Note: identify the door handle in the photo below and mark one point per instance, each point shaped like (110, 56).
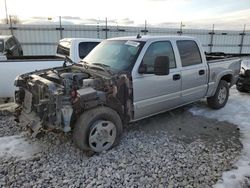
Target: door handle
(201, 72)
(176, 77)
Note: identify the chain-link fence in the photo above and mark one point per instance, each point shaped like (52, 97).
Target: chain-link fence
(42, 39)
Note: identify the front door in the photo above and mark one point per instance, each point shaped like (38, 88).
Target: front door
(153, 93)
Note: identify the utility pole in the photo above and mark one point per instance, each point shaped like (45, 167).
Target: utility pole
(60, 22)
(106, 27)
(242, 38)
(11, 27)
(211, 40)
(145, 28)
(117, 29)
(98, 28)
(6, 12)
(181, 26)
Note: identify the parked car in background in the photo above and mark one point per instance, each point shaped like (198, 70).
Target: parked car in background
(10, 46)
(122, 80)
(76, 48)
(243, 83)
(73, 48)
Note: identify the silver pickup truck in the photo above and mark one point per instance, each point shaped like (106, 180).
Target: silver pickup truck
(123, 80)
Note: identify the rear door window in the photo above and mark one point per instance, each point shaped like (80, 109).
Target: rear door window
(189, 53)
(85, 48)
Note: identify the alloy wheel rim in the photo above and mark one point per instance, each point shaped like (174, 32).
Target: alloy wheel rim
(102, 135)
(222, 95)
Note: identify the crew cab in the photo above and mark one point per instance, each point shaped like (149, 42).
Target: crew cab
(121, 81)
(12, 66)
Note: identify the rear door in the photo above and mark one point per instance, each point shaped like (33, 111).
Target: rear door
(153, 93)
(194, 71)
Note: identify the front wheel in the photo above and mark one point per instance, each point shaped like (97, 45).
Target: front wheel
(220, 97)
(98, 129)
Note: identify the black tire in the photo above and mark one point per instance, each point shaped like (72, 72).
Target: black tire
(213, 102)
(240, 88)
(84, 124)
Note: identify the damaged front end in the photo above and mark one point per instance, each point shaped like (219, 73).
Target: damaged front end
(55, 98)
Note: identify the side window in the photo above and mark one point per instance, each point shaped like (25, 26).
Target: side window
(11, 43)
(189, 52)
(85, 48)
(163, 48)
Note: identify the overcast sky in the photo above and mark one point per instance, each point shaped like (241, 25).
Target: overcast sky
(224, 13)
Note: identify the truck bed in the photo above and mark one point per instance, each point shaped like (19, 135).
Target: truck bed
(218, 67)
(220, 56)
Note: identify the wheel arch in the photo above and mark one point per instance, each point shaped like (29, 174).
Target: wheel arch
(226, 76)
(214, 101)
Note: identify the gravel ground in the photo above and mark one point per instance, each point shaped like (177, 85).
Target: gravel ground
(174, 149)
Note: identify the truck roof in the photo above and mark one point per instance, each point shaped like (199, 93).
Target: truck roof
(148, 38)
(81, 39)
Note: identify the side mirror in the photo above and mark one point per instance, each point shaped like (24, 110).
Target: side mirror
(142, 69)
(161, 66)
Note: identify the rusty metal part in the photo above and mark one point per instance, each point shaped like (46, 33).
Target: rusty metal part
(31, 122)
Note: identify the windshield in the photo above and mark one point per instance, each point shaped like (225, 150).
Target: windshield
(117, 54)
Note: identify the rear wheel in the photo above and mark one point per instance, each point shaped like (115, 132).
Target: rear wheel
(220, 97)
(98, 129)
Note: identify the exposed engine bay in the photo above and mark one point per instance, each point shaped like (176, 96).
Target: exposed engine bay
(56, 97)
